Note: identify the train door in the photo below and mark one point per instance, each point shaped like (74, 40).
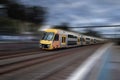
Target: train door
(63, 43)
(92, 41)
(88, 40)
(83, 41)
(56, 41)
(78, 41)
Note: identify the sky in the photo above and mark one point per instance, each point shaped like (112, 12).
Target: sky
(81, 12)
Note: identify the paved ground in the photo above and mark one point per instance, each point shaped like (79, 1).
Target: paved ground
(111, 70)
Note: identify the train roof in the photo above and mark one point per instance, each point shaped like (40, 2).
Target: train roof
(51, 30)
(57, 30)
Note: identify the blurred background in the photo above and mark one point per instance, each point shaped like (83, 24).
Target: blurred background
(22, 25)
(25, 20)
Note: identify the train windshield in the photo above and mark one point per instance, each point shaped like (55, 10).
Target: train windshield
(48, 36)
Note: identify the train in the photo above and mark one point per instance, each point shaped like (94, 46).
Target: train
(56, 38)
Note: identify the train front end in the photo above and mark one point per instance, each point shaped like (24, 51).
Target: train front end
(48, 39)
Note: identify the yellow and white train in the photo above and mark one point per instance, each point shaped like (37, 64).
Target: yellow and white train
(56, 38)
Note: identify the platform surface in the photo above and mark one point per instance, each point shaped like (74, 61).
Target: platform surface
(111, 70)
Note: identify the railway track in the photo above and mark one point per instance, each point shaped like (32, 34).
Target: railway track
(12, 52)
(16, 64)
(13, 47)
(21, 63)
(21, 53)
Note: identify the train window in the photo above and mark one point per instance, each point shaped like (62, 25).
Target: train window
(91, 40)
(48, 36)
(75, 36)
(71, 36)
(78, 40)
(87, 38)
(56, 38)
(83, 39)
(63, 39)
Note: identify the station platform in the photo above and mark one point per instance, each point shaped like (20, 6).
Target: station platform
(111, 69)
(104, 64)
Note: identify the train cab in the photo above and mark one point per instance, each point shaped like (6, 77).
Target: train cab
(50, 39)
